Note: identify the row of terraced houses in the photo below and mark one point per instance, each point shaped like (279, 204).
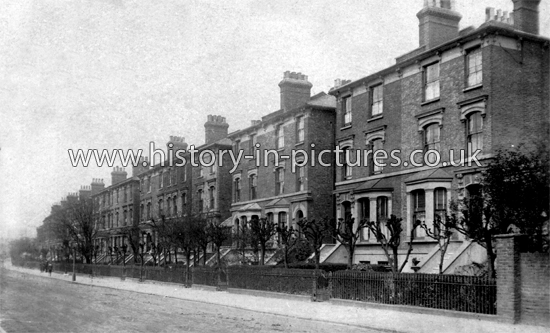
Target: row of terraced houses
(468, 89)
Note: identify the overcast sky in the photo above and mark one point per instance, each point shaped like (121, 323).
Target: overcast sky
(121, 73)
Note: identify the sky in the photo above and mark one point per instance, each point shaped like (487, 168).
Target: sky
(105, 74)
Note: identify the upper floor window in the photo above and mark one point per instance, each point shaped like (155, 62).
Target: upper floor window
(125, 217)
(346, 105)
(300, 129)
(440, 203)
(149, 184)
(474, 69)
(237, 186)
(161, 180)
(252, 181)
(381, 209)
(212, 168)
(419, 205)
(431, 82)
(183, 200)
(300, 178)
(432, 140)
(161, 208)
(175, 205)
(475, 133)
(148, 210)
(280, 137)
(279, 181)
(201, 171)
(168, 207)
(252, 143)
(184, 174)
(212, 197)
(346, 168)
(377, 100)
(377, 145)
(236, 146)
(201, 200)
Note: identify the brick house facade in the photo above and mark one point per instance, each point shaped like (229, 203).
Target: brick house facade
(265, 187)
(484, 88)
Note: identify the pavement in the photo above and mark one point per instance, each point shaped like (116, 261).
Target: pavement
(354, 314)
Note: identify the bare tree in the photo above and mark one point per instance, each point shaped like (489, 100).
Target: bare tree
(288, 238)
(262, 230)
(442, 233)
(75, 223)
(390, 239)
(219, 234)
(315, 232)
(347, 233)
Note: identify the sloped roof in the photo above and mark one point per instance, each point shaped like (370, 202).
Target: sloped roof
(278, 203)
(249, 207)
(322, 100)
(382, 184)
(429, 175)
(227, 222)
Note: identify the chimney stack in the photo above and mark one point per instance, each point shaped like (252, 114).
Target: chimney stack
(85, 192)
(118, 175)
(141, 167)
(97, 185)
(438, 22)
(215, 129)
(526, 15)
(295, 90)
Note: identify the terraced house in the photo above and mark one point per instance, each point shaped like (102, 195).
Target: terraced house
(265, 183)
(464, 90)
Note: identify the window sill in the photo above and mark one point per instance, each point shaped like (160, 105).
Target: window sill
(477, 86)
(375, 118)
(430, 101)
(345, 127)
(299, 144)
(281, 149)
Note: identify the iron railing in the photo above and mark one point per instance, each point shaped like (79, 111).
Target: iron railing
(448, 292)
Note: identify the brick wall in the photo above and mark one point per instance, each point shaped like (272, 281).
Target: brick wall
(522, 283)
(535, 292)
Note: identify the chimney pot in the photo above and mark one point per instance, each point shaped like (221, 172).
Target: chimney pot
(438, 23)
(295, 90)
(526, 15)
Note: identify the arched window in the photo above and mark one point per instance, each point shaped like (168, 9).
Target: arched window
(148, 211)
(237, 187)
(346, 205)
(141, 212)
(252, 183)
(475, 133)
(376, 146)
(346, 168)
(300, 178)
(168, 207)
(474, 202)
(211, 191)
(279, 181)
(201, 200)
(432, 140)
(161, 208)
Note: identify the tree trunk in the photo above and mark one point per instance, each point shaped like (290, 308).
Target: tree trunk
(395, 260)
(262, 254)
(187, 259)
(286, 256)
(204, 255)
(490, 255)
(351, 250)
(317, 258)
(218, 256)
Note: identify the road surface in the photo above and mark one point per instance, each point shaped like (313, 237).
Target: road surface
(40, 304)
